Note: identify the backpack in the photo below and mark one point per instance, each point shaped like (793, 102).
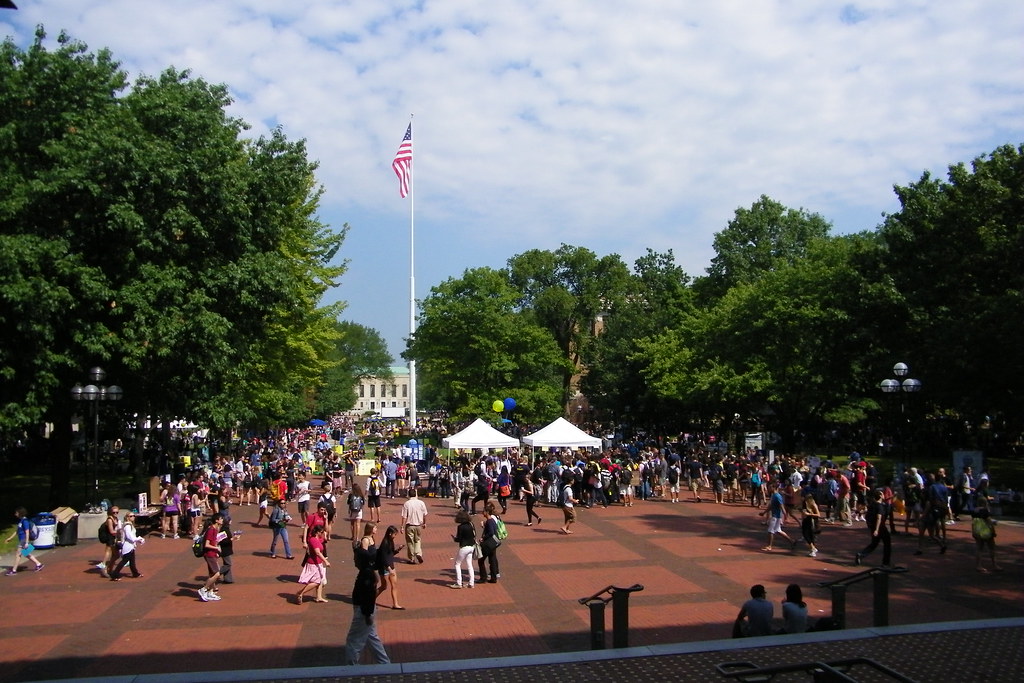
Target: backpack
(328, 499)
(981, 529)
(198, 544)
(673, 475)
(355, 503)
(104, 534)
(502, 532)
(33, 531)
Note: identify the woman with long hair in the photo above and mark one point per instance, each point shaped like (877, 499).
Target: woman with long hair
(530, 495)
(810, 521)
(794, 610)
(386, 565)
(504, 489)
(465, 537)
(489, 544)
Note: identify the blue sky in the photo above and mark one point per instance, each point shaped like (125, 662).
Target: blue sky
(609, 125)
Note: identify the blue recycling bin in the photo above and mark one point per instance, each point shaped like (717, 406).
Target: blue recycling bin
(46, 530)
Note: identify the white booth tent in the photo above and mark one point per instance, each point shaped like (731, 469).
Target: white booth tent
(479, 435)
(563, 434)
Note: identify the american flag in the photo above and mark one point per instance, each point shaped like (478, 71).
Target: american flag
(403, 163)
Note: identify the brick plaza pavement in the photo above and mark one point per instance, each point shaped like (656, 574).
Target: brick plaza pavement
(695, 561)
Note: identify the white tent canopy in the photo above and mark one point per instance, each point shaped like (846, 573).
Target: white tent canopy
(562, 433)
(479, 435)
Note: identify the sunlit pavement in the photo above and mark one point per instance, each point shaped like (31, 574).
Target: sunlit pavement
(695, 562)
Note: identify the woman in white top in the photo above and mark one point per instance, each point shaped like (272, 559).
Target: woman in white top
(129, 542)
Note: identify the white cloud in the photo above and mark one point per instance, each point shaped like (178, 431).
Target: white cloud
(611, 125)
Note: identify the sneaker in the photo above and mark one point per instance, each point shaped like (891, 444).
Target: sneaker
(212, 595)
(813, 553)
(10, 572)
(39, 566)
(455, 585)
(203, 595)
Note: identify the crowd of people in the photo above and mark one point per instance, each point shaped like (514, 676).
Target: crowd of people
(307, 469)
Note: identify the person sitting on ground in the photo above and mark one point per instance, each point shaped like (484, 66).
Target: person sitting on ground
(794, 610)
(758, 612)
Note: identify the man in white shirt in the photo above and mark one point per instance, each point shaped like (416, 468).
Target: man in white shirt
(414, 521)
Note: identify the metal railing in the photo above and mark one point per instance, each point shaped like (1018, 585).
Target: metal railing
(619, 597)
(880, 579)
(821, 672)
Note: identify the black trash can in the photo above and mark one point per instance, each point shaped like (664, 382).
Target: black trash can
(67, 532)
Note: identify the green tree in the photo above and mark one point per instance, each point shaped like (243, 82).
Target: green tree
(794, 349)
(155, 240)
(658, 298)
(358, 353)
(758, 240)
(474, 346)
(566, 291)
(954, 251)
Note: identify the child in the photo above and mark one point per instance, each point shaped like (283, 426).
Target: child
(25, 547)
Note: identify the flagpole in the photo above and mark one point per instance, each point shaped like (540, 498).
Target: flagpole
(412, 284)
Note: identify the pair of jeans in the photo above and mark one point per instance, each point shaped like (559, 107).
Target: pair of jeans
(491, 558)
(361, 634)
(281, 533)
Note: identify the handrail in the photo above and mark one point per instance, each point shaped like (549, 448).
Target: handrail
(608, 589)
(823, 671)
(862, 576)
(619, 597)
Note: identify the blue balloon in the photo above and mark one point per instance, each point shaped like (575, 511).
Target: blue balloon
(510, 404)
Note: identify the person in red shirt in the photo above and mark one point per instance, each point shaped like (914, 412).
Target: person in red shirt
(843, 499)
(211, 554)
(314, 521)
(314, 571)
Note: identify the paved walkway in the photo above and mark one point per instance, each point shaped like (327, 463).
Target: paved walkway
(695, 561)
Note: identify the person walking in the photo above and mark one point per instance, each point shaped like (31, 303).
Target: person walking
(356, 502)
(130, 541)
(567, 503)
(465, 538)
(278, 523)
(211, 555)
(315, 564)
(809, 523)
(489, 543)
(386, 565)
(530, 496)
(875, 519)
(110, 535)
(23, 530)
(414, 520)
(775, 510)
(363, 629)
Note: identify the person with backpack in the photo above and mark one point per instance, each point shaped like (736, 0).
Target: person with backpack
(110, 535)
(278, 524)
(489, 543)
(130, 541)
(25, 531)
(356, 502)
(983, 530)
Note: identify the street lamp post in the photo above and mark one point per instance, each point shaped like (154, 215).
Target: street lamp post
(93, 394)
(901, 385)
